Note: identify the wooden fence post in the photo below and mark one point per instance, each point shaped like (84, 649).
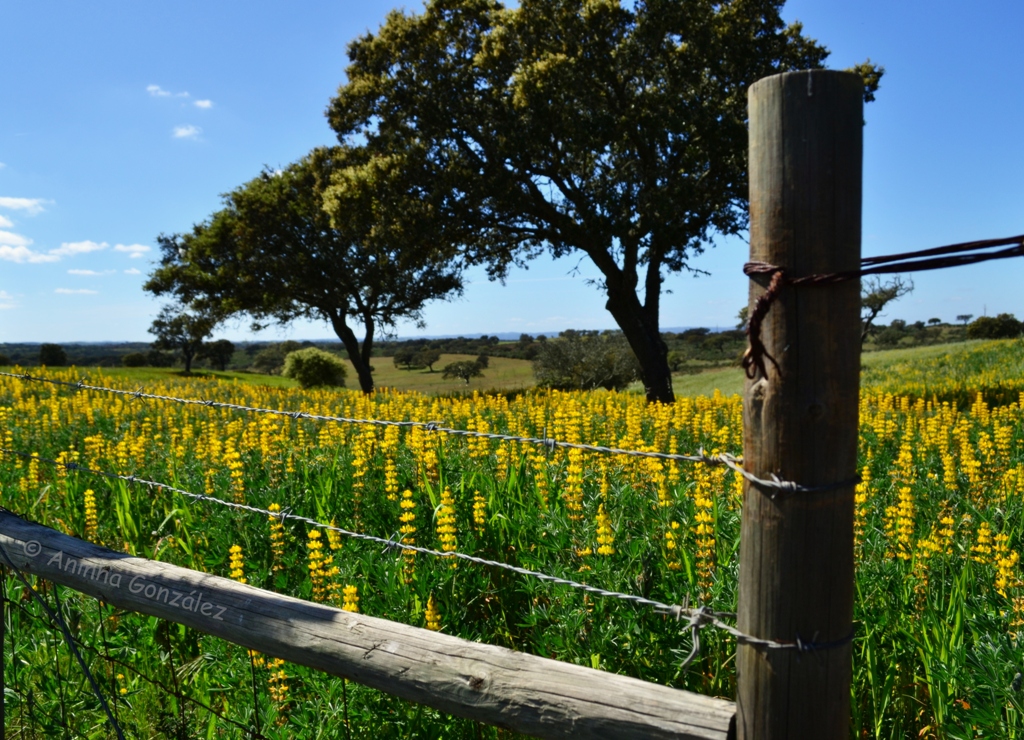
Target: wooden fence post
(800, 422)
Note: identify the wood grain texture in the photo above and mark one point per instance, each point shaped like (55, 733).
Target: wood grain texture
(532, 695)
(800, 422)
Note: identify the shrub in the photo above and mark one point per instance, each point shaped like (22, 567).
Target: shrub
(1003, 326)
(314, 368)
(5, 360)
(52, 354)
(134, 359)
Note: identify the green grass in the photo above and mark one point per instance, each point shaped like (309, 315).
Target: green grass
(876, 366)
(503, 373)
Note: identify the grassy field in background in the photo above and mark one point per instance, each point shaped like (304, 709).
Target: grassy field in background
(729, 380)
(502, 374)
(505, 374)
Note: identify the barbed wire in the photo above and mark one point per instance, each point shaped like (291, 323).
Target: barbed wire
(58, 619)
(152, 681)
(697, 618)
(773, 487)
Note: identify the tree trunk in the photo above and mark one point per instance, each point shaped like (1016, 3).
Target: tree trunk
(188, 355)
(644, 338)
(348, 338)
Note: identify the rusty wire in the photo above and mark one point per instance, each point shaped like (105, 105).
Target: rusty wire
(936, 258)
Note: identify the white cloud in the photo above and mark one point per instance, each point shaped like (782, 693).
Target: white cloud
(90, 272)
(158, 92)
(22, 254)
(205, 104)
(133, 271)
(5, 222)
(186, 132)
(75, 291)
(32, 206)
(68, 249)
(10, 239)
(134, 250)
(6, 300)
(2, 165)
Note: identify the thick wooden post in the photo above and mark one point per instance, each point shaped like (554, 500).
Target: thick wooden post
(800, 422)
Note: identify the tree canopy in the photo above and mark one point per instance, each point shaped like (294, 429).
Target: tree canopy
(274, 254)
(573, 126)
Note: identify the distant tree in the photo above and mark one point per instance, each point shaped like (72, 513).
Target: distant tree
(5, 360)
(52, 355)
(219, 353)
(584, 360)
(875, 295)
(406, 356)
(270, 360)
(156, 358)
(314, 368)
(1003, 326)
(463, 370)
(273, 252)
(177, 327)
(134, 359)
(483, 360)
(934, 322)
(427, 356)
(964, 318)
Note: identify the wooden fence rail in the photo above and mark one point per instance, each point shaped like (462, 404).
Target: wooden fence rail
(535, 696)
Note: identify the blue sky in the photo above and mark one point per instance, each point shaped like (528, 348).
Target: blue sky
(124, 120)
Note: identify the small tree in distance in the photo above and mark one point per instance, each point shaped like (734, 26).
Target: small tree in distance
(52, 355)
(314, 368)
(219, 353)
(427, 357)
(178, 328)
(463, 370)
(964, 318)
(875, 296)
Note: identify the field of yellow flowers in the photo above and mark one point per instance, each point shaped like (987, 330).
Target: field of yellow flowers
(940, 590)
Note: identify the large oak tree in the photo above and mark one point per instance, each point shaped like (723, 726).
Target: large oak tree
(612, 129)
(274, 254)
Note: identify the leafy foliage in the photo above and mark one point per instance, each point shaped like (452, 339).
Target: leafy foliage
(612, 130)
(314, 368)
(274, 254)
(463, 370)
(585, 360)
(52, 355)
(218, 353)
(1003, 326)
